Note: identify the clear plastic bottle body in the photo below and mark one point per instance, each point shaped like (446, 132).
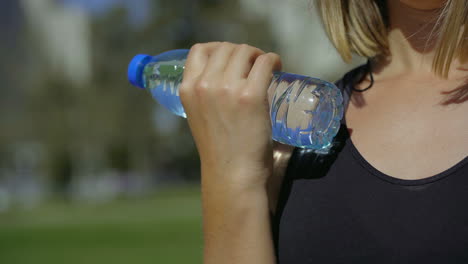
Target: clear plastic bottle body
(305, 111)
(162, 76)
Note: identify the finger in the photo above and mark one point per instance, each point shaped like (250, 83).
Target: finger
(262, 70)
(241, 62)
(197, 59)
(218, 59)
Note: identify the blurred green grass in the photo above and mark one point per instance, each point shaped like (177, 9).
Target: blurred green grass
(162, 228)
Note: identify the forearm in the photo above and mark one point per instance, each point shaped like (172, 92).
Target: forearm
(236, 224)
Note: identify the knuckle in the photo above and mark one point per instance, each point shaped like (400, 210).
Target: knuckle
(246, 98)
(244, 47)
(275, 57)
(264, 59)
(224, 89)
(196, 47)
(226, 44)
(201, 86)
(268, 59)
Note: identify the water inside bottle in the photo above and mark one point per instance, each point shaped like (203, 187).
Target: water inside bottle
(305, 111)
(162, 79)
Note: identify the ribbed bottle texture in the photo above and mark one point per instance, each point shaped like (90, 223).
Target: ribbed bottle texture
(305, 112)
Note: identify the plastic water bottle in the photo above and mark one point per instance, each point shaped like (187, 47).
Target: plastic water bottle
(305, 112)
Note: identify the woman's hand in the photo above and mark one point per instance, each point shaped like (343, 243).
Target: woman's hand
(224, 94)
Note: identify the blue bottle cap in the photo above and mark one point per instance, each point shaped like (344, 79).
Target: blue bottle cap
(135, 69)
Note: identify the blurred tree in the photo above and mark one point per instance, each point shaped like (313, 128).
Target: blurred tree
(12, 119)
(106, 123)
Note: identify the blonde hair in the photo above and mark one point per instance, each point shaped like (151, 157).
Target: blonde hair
(360, 26)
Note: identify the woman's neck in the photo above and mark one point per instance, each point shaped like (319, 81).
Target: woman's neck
(412, 40)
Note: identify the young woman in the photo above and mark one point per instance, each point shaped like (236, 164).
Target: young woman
(393, 189)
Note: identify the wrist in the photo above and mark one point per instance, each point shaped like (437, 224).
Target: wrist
(232, 194)
(248, 178)
(237, 227)
(231, 208)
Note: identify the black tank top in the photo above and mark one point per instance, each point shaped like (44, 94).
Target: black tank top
(337, 208)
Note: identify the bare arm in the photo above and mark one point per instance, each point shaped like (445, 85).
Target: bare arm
(242, 234)
(236, 226)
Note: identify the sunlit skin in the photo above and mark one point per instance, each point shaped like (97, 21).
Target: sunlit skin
(411, 24)
(424, 4)
(401, 116)
(400, 125)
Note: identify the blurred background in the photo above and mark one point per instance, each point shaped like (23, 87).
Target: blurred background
(93, 170)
